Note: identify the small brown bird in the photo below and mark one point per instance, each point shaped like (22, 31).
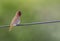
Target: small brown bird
(15, 20)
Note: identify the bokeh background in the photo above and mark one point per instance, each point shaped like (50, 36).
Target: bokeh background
(32, 11)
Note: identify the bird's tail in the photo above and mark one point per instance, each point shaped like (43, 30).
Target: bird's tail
(10, 28)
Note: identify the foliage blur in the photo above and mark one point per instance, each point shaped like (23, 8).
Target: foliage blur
(32, 11)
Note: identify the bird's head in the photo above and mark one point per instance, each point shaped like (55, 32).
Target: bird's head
(18, 13)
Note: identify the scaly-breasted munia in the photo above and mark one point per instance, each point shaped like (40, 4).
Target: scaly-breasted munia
(15, 20)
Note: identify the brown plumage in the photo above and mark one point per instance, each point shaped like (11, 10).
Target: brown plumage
(15, 20)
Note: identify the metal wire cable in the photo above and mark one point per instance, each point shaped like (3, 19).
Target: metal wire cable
(33, 23)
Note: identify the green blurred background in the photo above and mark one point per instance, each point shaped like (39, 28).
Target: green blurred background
(32, 11)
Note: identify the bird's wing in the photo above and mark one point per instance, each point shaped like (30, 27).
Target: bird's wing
(16, 22)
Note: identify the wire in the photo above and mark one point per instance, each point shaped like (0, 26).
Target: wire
(33, 23)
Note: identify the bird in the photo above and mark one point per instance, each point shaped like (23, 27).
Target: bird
(15, 20)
